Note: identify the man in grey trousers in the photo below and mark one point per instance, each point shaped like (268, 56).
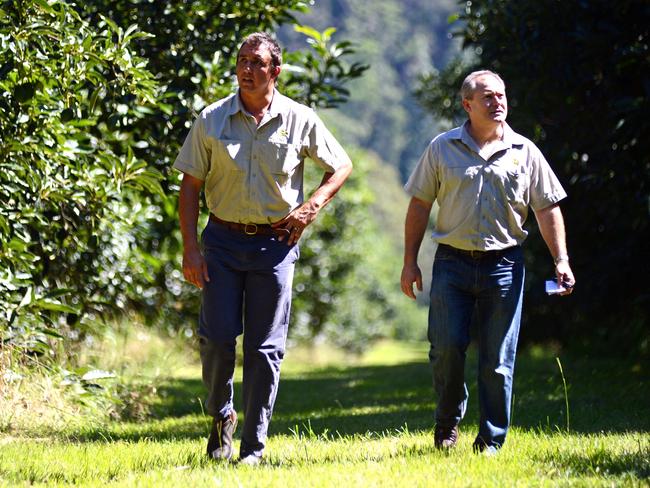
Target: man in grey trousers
(247, 153)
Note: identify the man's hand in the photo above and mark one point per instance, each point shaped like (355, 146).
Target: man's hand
(195, 269)
(306, 213)
(296, 222)
(411, 274)
(565, 277)
(417, 218)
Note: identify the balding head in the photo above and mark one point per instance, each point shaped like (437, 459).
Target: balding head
(470, 83)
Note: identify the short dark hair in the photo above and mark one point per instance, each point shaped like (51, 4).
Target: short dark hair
(262, 38)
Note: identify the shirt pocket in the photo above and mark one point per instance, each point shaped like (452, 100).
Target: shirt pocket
(514, 183)
(459, 179)
(229, 155)
(281, 157)
(280, 160)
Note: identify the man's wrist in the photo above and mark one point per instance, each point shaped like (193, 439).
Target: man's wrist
(410, 261)
(191, 247)
(560, 258)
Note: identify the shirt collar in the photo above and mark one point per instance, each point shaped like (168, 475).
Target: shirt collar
(510, 137)
(234, 104)
(279, 105)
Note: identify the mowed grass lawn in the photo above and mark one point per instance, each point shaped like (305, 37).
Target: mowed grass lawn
(367, 422)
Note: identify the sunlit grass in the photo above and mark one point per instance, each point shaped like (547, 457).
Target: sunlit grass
(359, 421)
(399, 458)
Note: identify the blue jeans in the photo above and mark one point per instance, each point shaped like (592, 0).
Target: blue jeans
(489, 287)
(249, 292)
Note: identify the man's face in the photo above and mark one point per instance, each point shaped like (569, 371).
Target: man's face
(488, 103)
(255, 73)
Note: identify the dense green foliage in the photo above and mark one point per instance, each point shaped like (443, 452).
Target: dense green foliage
(93, 111)
(579, 86)
(69, 180)
(96, 97)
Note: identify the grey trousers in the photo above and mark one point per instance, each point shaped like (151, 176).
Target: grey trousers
(249, 292)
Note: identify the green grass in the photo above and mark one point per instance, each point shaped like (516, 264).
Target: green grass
(368, 421)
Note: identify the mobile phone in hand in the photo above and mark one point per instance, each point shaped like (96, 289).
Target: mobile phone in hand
(552, 288)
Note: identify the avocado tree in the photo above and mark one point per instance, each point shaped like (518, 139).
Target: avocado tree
(68, 174)
(95, 101)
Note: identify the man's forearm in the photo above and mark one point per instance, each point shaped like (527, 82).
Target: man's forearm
(329, 186)
(188, 210)
(417, 219)
(551, 226)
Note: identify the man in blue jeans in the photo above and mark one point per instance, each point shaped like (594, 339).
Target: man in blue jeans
(247, 153)
(484, 177)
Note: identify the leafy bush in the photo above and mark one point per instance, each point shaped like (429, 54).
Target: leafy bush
(339, 297)
(69, 182)
(92, 113)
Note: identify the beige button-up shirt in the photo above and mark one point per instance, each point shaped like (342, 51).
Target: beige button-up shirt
(254, 173)
(483, 202)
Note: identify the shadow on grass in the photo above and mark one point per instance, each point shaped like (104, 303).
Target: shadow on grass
(601, 462)
(604, 395)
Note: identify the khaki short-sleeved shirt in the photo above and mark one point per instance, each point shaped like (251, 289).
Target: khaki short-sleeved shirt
(483, 203)
(254, 173)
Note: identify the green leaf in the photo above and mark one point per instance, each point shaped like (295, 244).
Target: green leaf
(327, 33)
(55, 305)
(308, 31)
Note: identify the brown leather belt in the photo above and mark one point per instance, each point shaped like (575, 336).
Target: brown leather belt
(476, 254)
(249, 229)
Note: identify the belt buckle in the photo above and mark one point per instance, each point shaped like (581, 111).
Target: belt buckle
(250, 232)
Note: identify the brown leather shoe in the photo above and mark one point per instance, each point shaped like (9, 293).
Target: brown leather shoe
(220, 440)
(445, 437)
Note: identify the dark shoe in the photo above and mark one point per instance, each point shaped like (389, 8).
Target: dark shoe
(483, 448)
(445, 437)
(250, 460)
(220, 440)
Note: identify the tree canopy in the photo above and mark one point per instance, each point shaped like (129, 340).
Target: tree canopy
(578, 84)
(95, 100)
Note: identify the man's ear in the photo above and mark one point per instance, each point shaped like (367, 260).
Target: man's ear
(466, 105)
(276, 72)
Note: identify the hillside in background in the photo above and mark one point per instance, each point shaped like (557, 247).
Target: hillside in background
(400, 40)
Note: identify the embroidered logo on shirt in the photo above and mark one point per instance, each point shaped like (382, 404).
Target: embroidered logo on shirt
(515, 161)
